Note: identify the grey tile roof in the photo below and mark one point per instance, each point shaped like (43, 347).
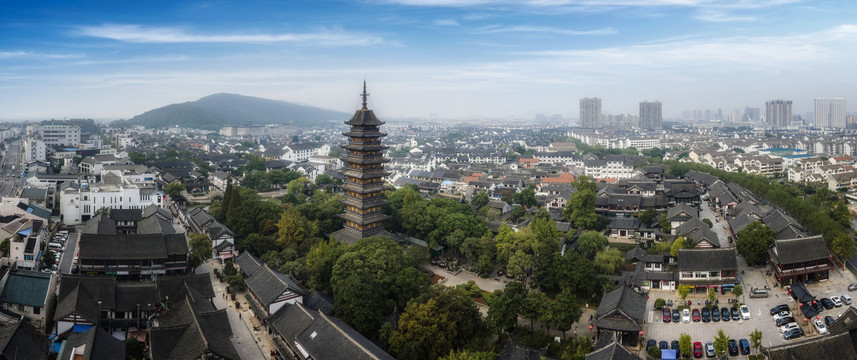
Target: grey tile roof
(515, 351)
(98, 345)
(20, 340)
(790, 251)
(130, 247)
(330, 338)
(173, 286)
(707, 259)
(201, 333)
(292, 319)
(682, 209)
(248, 263)
(267, 284)
(613, 351)
(621, 309)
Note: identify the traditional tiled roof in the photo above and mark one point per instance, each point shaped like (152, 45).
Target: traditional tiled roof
(707, 259)
(267, 284)
(97, 345)
(621, 309)
(26, 288)
(789, 251)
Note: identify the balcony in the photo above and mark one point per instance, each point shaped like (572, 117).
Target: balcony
(803, 270)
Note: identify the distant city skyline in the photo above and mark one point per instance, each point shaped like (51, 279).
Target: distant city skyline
(458, 59)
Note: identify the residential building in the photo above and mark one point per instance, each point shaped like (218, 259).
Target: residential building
(778, 113)
(302, 152)
(80, 201)
(29, 294)
(800, 260)
(705, 269)
(93, 344)
(222, 239)
(590, 113)
(272, 290)
(830, 113)
(20, 340)
(622, 312)
(34, 149)
(651, 117)
(55, 134)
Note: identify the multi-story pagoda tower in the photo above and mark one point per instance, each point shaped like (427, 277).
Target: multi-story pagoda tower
(364, 176)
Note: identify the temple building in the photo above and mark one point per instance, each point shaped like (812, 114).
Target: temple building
(364, 177)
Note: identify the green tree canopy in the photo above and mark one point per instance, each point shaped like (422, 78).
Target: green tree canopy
(526, 197)
(721, 343)
(320, 261)
(479, 200)
(609, 261)
(753, 243)
(506, 306)
(580, 210)
(294, 228)
(648, 216)
(174, 189)
(200, 249)
(591, 242)
(371, 279)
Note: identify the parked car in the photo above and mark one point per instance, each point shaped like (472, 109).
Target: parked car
(836, 301)
(784, 321)
(674, 345)
(650, 344)
(745, 346)
(668, 315)
(745, 312)
(696, 317)
(778, 308)
(724, 314)
(733, 347)
(852, 287)
(736, 315)
(788, 327)
(793, 334)
(715, 314)
(829, 320)
(758, 293)
(816, 304)
(685, 316)
(827, 303)
(709, 349)
(706, 315)
(697, 349)
(676, 316)
(663, 345)
(782, 314)
(846, 299)
(819, 325)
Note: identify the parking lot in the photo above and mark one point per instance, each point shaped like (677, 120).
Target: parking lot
(760, 318)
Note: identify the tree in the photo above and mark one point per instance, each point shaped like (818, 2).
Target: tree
(479, 200)
(236, 282)
(200, 249)
(4, 246)
(580, 209)
(721, 343)
(664, 223)
(684, 291)
(320, 261)
(469, 355)
(737, 290)
(134, 349)
(712, 295)
(609, 261)
(566, 312)
(576, 274)
(372, 278)
(535, 305)
(843, 245)
(324, 179)
(49, 259)
(591, 242)
(293, 228)
(297, 186)
(678, 244)
(654, 352)
(756, 339)
(753, 243)
(425, 332)
(507, 304)
(684, 344)
(526, 197)
(545, 251)
(577, 348)
(229, 268)
(174, 189)
(660, 303)
(648, 216)
(708, 221)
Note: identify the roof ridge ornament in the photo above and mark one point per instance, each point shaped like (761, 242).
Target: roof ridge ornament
(364, 95)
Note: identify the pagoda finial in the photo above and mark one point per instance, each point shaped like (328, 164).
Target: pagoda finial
(365, 95)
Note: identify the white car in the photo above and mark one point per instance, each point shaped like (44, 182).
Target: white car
(836, 301)
(819, 325)
(782, 314)
(788, 327)
(745, 312)
(685, 316)
(846, 299)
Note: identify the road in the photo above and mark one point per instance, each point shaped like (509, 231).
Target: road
(68, 254)
(9, 180)
(719, 227)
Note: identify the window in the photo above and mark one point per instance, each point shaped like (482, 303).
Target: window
(701, 275)
(687, 275)
(37, 310)
(714, 274)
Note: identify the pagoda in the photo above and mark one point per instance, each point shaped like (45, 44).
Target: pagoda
(363, 177)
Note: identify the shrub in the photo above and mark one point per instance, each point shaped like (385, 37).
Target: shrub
(660, 303)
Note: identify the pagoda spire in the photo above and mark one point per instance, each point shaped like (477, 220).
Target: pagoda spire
(364, 95)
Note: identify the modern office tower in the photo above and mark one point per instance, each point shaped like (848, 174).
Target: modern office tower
(651, 117)
(364, 177)
(778, 113)
(752, 114)
(590, 113)
(830, 113)
(55, 134)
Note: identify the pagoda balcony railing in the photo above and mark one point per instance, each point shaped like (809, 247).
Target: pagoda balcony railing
(363, 219)
(370, 202)
(363, 188)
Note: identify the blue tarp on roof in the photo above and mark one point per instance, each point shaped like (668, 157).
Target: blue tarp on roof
(81, 328)
(799, 156)
(25, 232)
(668, 354)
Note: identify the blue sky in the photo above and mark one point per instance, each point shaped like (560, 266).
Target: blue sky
(458, 58)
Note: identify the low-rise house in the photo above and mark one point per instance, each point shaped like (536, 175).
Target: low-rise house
(622, 312)
(706, 269)
(20, 340)
(800, 260)
(680, 214)
(29, 294)
(93, 344)
(271, 290)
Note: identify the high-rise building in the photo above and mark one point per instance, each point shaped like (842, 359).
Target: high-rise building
(752, 114)
(830, 113)
(54, 134)
(778, 113)
(590, 113)
(651, 117)
(364, 177)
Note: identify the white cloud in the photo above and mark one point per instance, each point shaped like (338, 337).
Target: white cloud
(143, 34)
(36, 55)
(721, 16)
(545, 30)
(445, 22)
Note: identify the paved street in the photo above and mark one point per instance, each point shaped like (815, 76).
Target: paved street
(68, 253)
(719, 226)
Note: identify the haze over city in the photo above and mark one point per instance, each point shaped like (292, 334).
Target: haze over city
(460, 59)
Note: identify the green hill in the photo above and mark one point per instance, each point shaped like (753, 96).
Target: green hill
(215, 111)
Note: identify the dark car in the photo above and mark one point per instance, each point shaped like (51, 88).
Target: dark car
(829, 320)
(785, 320)
(676, 316)
(674, 345)
(650, 344)
(724, 314)
(715, 314)
(816, 304)
(733, 347)
(697, 349)
(667, 315)
(793, 334)
(736, 315)
(745, 346)
(663, 345)
(778, 308)
(695, 314)
(706, 315)
(827, 303)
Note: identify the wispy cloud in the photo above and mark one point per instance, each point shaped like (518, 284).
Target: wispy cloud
(162, 35)
(721, 16)
(19, 54)
(545, 30)
(445, 22)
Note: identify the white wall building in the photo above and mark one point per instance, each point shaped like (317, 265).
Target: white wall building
(830, 113)
(80, 203)
(34, 150)
(302, 152)
(52, 135)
